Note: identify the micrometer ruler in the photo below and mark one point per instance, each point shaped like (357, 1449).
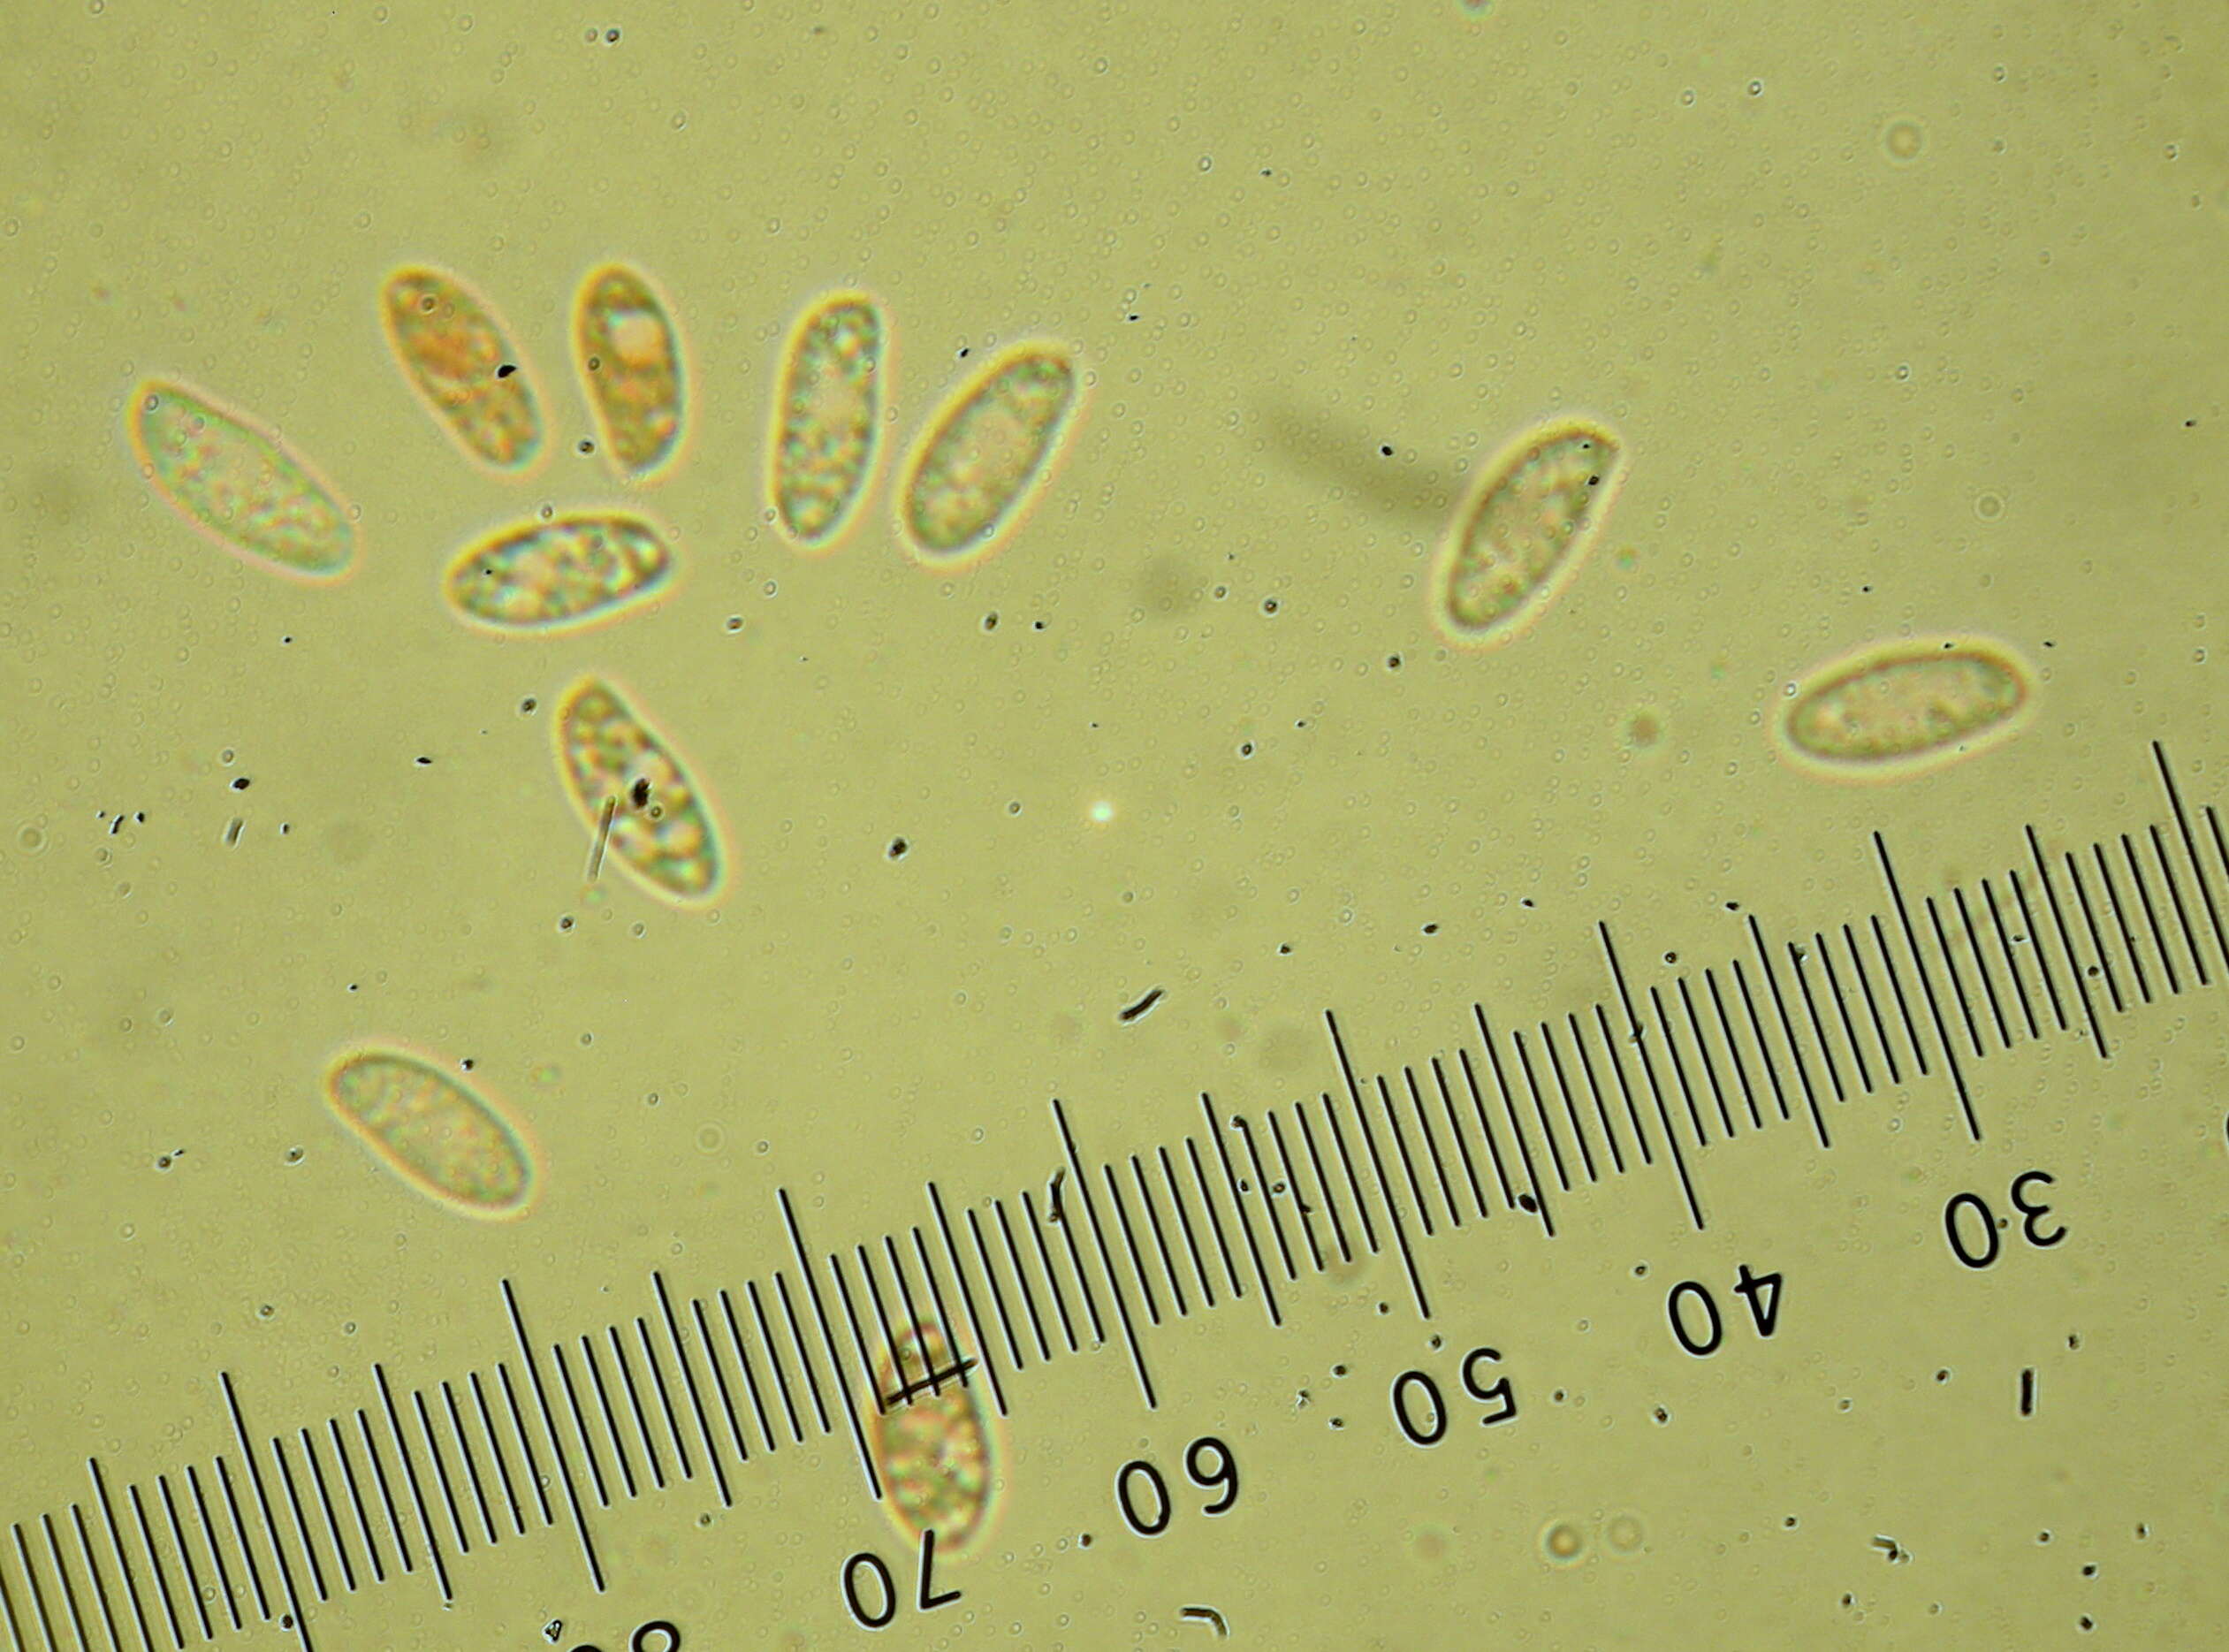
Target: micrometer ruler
(698, 1388)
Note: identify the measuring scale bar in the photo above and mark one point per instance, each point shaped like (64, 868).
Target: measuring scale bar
(274, 1526)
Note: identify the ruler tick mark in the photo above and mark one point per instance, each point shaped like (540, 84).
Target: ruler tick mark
(1951, 969)
(859, 1343)
(70, 1595)
(1788, 1030)
(440, 1475)
(101, 1588)
(797, 1346)
(557, 1450)
(997, 1297)
(2067, 944)
(1160, 1238)
(240, 1534)
(1184, 1224)
(495, 1450)
(1733, 1049)
(154, 1568)
(324, 1499)
(1625, 1089)
(663, 1390)
(123, 1561)
(1377, 1165)
(1238, 1204)
(1462, 1149)
(719, 1383)
(1671, 1055)
(2011, 964)
(38, 1596)
(1702, 1052)
(1431, 1153)
(946, 1324)
(1796, 961)
(1129, 1242)
(410, 1479)
(1927, 989)
(1044, 1263)
(828, 1338)
(386, 1497)
(2097, 936)
(1842, 1009)
(302, 1523)
(271, 1529)
(773, 1363)
(525, 1443)
(2190, 847)
(1648, 1071)
(355, 1498)
(580, 1422)
(1106, 1258)
(2151, 916)
(1323, 1183)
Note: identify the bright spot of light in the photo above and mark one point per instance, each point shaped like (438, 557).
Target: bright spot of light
(1101, 812)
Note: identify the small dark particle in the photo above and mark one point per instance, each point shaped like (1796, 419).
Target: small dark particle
(507, 370)
(1133, 1011)
(1527, 1202)
(897, 849)
(241, 784)
(1053, 1194)
(640, 794)
(1206, 1615)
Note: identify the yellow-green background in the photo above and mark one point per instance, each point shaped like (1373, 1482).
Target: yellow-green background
(1283, 236)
